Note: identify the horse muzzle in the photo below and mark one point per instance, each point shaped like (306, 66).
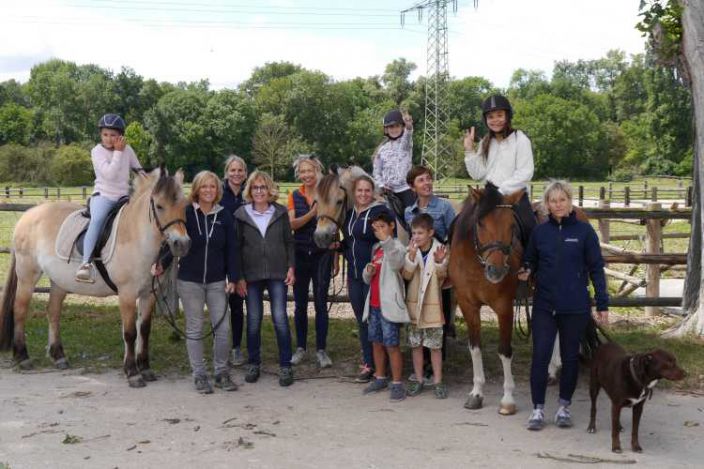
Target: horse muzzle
(495, 274)
(179, 245)
(324, 238)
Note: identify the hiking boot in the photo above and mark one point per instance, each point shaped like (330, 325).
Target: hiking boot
(237, 357)
(536, 420)
(224, 382)
(440, 391)
(203, 385)
(298, 356)
(414, 388)
(365, 374)
(324, 360)
(286, 376)
(84, 273)
(563, 418)
(252, 375)
(376, 385)
(397, 392)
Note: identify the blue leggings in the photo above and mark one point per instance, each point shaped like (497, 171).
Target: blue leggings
(99, 208)
(546, 325)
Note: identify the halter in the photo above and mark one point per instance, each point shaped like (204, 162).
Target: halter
(483, 250)
(155, 216)
(334, 221)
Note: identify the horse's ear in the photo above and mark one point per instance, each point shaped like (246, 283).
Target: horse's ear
(179, 177)
(513, 198)
(476, 194)
(333, 169)
(163, 172)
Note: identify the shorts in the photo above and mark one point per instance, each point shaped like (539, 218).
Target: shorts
(383, 331)
(430, 337)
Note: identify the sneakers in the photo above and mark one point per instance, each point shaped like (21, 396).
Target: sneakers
(224, 382)
(365, 374)
(298, 356)
(286, 376)
(252, 375)
(84, 274)
(237, 357)
(440, 391)
(378, 384)
(414, 388)
(563, 418)
(203, 385)
(397, 392)
(536, 420)
(324, 360)
(427, 379)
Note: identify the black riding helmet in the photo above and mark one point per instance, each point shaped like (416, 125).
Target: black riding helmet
(496, 103)
(112, 121)
(393, 117)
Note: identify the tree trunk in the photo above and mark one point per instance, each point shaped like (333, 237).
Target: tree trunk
(693, 51)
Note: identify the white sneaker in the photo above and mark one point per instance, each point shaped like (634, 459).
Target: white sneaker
(563, 418)
(298, 356)
(324, 360)
(85, 273)
(536, 420)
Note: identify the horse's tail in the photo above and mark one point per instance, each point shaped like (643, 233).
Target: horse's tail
(7, 310)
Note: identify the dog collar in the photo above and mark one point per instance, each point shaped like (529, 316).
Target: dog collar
(647, 390)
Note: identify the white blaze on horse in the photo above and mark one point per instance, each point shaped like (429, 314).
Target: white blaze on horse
(155, 214)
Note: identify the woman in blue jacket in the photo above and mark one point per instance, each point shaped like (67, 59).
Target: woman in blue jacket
(358, 239)
(205, 276)
(563, 254)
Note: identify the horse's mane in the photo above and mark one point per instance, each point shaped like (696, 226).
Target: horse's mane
(168, 187)
(326, 183)
(342, 177)
(473, 212)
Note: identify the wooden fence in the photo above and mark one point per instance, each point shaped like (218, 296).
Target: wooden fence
(653, 217)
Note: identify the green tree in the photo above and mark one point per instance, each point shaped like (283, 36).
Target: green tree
(28, 165)
(396, 80)
(141, 142)
(15, 124)
(275, 145)
(72, 166)
(230, 120)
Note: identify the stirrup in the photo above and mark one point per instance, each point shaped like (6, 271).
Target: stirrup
(85, 273)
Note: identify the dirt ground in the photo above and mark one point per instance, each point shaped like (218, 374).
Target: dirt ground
(70, 419)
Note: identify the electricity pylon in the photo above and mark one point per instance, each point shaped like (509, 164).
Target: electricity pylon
(436, 151)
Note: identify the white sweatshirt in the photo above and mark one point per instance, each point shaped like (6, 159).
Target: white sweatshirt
(508, 166)
(112, 170)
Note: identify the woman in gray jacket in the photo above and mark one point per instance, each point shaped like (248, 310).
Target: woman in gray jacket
(266, 255)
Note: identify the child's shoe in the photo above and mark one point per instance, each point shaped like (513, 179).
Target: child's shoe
(398, 392)
(414, 388)
(376, 385)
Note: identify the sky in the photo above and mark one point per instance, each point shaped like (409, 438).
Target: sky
(224, 40)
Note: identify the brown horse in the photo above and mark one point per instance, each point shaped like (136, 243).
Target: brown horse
(485, 254)
(154, 214)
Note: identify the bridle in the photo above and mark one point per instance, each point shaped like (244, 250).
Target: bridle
(342, 208)
(484, 250)
(153, 215)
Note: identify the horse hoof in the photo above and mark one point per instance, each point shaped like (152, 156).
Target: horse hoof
(61, 364)
(136, 381)
(25, 365)
(148, 375)
(507, 409)
(474, 402)
(552, 381)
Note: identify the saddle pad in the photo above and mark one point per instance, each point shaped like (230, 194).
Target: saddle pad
(72, 227)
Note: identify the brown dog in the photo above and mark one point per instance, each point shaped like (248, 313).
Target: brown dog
(629, 381)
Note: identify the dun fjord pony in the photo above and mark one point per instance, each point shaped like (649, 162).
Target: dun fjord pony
(334, 198)
(485, 254)
(154, 214)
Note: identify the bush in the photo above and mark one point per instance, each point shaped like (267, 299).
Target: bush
(26, 164)
(622, 175)
(72, 166)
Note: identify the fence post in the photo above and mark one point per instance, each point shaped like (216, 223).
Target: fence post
(46, 192)
(653, 241)
(21, 192)
(627, 196)
(581, 196)
(645, 188)
(611, 190)
(604, 225)
(58, 193)
(84, 192)
(602, 193)
(654, 194)
(690, 196)
(532, 193)
(7, 191)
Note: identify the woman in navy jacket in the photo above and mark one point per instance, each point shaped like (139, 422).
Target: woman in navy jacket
(563, 254)
(232, 188)
(358, 239)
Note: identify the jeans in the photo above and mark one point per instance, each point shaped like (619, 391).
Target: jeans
(194, 296)
(316, 267)
(99, 208)
(255, 313)
(545, 326)
(237, 319)
(357, 290)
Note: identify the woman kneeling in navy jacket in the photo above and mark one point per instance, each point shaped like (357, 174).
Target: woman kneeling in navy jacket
(563, 254)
